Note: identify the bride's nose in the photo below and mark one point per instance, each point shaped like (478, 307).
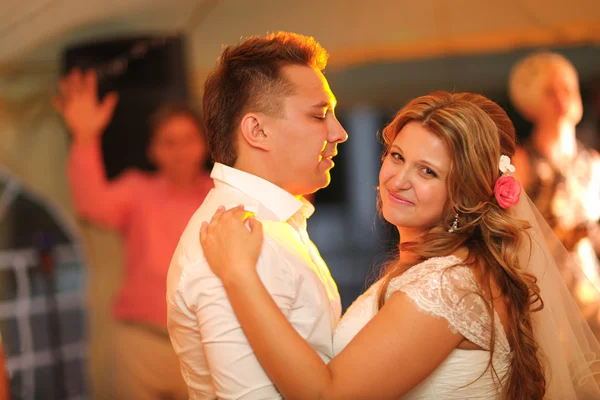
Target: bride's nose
(402, 179)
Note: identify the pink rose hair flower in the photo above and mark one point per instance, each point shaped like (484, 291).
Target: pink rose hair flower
(507, 191)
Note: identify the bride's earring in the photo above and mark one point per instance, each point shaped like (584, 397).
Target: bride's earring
(454, 224)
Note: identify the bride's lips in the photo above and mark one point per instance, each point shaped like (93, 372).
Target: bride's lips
(396, 198)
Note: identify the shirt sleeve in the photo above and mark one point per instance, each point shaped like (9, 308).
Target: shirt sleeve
(95, 198)
(235, 371)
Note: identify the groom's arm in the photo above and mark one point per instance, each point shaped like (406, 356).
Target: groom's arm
(235, 371)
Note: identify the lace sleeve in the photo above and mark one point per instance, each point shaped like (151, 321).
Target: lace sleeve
(445, 289)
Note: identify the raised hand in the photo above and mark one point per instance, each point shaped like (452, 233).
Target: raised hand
(232, 242)
(78, 103)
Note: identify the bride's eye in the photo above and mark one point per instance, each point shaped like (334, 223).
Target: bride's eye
(429, 172)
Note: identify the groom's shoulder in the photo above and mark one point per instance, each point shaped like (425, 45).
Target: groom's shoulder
(189, 249)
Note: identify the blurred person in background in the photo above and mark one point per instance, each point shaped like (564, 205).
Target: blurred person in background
(151, 211)
(559, 173)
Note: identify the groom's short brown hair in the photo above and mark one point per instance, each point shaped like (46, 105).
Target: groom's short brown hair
(248, 78)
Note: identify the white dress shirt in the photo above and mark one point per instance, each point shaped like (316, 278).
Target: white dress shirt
(216, 359)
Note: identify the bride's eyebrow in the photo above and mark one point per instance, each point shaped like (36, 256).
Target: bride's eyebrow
(431, 164)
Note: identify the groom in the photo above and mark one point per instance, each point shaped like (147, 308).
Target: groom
(272, 132)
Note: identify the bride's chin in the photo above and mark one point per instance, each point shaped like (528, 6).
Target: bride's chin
(389, 216)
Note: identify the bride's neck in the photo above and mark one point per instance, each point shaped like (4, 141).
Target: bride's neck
(408, 259)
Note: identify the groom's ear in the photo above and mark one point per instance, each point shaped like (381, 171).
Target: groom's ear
(253, 131)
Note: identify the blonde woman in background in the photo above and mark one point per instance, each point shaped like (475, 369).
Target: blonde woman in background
(561, 176)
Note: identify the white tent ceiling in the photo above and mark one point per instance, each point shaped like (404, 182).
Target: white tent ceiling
(33, 33)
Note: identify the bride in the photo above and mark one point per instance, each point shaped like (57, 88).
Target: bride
(473, 307)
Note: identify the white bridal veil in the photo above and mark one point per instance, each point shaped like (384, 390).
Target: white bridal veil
(571, 352)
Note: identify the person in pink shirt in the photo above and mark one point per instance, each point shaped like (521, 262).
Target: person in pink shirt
(150, 210)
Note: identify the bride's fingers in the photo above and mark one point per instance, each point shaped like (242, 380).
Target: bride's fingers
(248, 215)
(256, 227)
(222, 218)
(237, 213)
(203, 232)
(214, 222)
(216, 216)
(234, 213)
(219, 216)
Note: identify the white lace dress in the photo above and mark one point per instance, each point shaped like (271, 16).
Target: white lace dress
(444, 293)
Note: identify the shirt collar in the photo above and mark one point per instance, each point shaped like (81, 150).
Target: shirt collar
(283, 204)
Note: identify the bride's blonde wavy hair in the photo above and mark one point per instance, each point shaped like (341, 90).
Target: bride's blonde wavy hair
(476, 132)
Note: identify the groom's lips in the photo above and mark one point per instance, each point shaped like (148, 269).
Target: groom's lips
(329, 156)
(327, 159)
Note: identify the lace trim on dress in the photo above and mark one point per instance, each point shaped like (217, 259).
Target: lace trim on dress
(444, 288)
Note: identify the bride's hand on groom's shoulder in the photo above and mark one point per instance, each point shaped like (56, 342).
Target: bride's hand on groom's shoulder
(231, 242)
